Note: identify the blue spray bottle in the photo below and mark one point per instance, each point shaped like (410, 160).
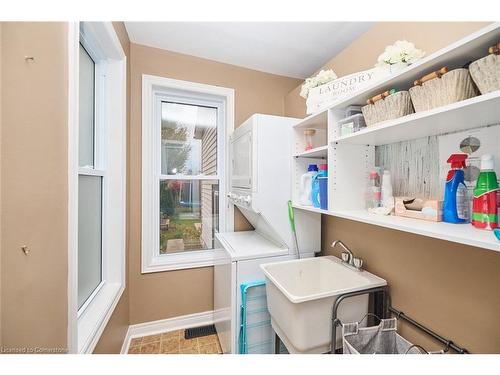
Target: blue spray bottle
(456, 205)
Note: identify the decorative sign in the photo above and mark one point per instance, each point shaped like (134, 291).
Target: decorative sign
(323, 96)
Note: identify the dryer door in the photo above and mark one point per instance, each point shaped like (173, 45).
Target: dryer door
(241, 152)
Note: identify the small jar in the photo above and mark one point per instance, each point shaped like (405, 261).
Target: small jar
(308, 135)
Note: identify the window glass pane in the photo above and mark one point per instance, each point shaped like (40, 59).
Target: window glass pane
(89, 236)
(188, 139)
(86, 110)
(189, 215)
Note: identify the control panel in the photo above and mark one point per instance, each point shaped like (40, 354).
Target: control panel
(240, 199)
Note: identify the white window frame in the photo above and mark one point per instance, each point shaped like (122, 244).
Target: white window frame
(85, 325)
(155, 89)
(99, 156)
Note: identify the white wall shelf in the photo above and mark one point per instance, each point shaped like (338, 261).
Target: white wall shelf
(351, 157)
(315, 121)
(318, 153)
(461, 233)
(311, 209)
(471, 113)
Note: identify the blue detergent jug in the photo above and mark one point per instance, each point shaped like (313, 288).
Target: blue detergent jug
(323, 193)
(315, 192)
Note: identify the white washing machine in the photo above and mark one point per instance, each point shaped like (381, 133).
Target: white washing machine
(237, 263)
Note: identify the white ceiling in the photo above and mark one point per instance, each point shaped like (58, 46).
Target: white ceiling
(293, 49)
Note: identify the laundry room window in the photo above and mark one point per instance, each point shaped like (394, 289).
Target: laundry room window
(188, 149)
(185, 128)
(96, 180)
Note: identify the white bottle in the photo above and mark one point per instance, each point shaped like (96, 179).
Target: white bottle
(306, 185)
(372, 193)
(387, 199)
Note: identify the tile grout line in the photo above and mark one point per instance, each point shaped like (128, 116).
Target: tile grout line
(159, 342)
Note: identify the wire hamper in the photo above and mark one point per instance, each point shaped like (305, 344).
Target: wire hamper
(380, 339)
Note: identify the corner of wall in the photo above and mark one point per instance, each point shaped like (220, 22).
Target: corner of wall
(1, 25)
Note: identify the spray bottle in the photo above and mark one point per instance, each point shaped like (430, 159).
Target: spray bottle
(485, 205)
(456, 199)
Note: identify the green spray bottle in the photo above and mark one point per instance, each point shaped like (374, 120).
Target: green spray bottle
(485, 203)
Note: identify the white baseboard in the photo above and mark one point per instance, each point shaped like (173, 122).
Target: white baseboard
(166, 325)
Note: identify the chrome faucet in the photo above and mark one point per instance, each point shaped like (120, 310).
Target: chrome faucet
(348, 257)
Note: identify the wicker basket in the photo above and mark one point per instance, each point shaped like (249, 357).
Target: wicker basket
(454, 86)
(394, 106)
(486, 73)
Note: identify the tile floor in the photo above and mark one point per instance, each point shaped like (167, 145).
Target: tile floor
(174, 343)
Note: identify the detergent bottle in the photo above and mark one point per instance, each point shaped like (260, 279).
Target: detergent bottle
(306, 185)
(485, 205)
(456, 199)
(315, 193)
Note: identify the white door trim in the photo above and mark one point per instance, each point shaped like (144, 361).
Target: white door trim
(73, 69)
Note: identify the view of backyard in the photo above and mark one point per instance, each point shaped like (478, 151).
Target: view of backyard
(188, 216)
(180, 220)
(188, 231)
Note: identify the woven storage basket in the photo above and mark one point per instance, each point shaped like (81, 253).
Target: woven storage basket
(394, 106)
(486, 73)
(454, 86)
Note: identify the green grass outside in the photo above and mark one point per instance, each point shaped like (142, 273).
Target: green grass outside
(179, 228)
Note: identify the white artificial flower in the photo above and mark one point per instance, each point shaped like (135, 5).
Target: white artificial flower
(304, 91)
(324, 76)
(401, 51)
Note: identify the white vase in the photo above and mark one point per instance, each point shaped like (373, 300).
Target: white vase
(396, 68)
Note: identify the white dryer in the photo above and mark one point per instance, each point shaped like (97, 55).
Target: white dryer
(260, 173)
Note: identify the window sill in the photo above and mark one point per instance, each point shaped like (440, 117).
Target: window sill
(180, 261)
(94, 319)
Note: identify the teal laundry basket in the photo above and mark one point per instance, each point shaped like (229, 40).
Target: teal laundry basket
(256, 333)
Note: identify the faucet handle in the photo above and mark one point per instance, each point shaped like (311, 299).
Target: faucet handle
(345, 257)
(358, 263)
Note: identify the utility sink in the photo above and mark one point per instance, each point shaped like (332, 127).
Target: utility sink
(300, 297)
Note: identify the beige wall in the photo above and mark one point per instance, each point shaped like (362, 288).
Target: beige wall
(34, 185)
(448, 287)
(1, 25)
(168, 294)
(363, 52)
(112, 338)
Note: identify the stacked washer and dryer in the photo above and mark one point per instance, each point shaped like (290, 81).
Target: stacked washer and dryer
(260, 174)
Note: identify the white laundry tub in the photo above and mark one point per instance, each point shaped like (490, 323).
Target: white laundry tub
(300, 296)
